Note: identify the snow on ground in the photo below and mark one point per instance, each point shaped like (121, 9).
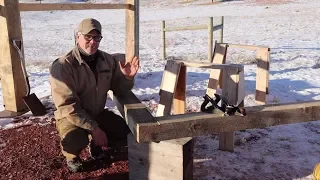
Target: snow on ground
(290, 28)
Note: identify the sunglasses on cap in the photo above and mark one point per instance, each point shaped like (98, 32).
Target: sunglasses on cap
(89, 37)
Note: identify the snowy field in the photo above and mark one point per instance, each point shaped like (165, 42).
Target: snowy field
(290, 28)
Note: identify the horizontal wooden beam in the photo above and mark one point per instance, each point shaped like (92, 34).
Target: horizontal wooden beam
(217, 27)
(197, 124)
(209, 65)
(69, 6)
(248, 47)
(198, 27)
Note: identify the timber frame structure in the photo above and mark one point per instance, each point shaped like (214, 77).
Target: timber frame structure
(159, 147)
(11, 73)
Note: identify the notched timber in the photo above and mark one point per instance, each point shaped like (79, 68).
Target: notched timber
(197, 124)
(133, 111)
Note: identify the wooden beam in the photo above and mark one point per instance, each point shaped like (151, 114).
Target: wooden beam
(10, 63)
(133, 111)
(132, 30)
(198, 124)
(248, 47)
(232, 85)
(262, 78)
(69, 6)
(179, 101)
(198, 27)
(208, 65)
(168, 87)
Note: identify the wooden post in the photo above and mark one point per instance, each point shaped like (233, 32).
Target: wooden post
(168, 87)
(221, 30)
(262, 75)
(132, 29)
(163, 39)
(210, 39)
(219, 57)
(233, 91)
(10, 63)
(179, 101)
(172, 159)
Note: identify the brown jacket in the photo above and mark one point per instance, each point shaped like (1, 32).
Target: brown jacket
(76, 93)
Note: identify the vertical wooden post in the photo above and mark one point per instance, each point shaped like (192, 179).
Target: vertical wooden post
(163, 39)
(221, 30)
(10, 63)
(210, 38)
(219, 57)
(168, 87)
(262, 75)
(179, 101)
(233, 91)
(132, 29)
(172, 159)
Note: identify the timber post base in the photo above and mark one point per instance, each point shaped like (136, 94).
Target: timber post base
(172, 159)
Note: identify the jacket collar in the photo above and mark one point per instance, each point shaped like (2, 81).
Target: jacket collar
(76, 54)
(101, 66)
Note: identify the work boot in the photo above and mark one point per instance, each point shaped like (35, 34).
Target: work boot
(75, 165)
(96, 152)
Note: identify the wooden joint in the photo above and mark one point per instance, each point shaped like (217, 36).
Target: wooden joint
(130, 7)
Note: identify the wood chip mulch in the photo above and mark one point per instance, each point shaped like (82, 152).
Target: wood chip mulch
(33, 152)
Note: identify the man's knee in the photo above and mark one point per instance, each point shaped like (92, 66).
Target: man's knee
(75, 141)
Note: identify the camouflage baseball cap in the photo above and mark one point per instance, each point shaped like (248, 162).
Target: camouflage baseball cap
(88, 25)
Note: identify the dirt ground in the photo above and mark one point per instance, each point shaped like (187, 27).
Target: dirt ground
(33, 152)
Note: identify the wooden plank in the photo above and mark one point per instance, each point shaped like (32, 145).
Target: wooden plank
(231, 81)
(219, 57)
(262, 75)
(197, 27)
(133, 111)
(179, 101)
(10, 64)
(132, 30)
(198, 124)
(69, 6)
(168, 87)
(171, 159)
(210, 39)
(163, 40)
(208, 65)
(248, 47)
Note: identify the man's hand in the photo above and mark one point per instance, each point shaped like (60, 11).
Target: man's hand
(99, 137)
(130, 68)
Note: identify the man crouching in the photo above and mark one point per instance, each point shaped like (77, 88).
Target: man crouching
(79, 83)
